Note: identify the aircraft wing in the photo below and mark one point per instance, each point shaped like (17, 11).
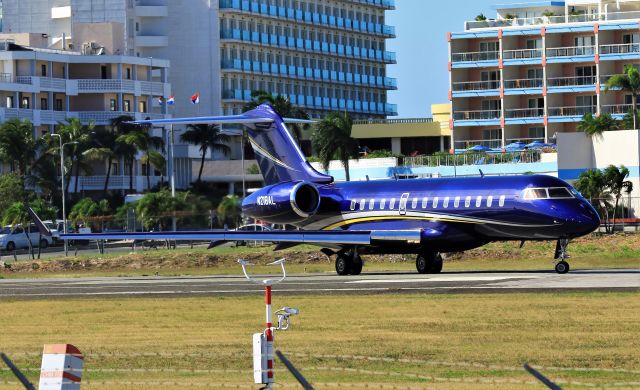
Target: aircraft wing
(338, 237)
(219, 120)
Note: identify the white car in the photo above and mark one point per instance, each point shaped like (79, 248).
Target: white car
(14, 238)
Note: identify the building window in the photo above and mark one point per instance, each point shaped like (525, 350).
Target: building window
(489, 46)
(43, 70)
(536, 132)
(127, 105)
(113, 106)
(103, 72)
(128, 73)
(10, 102)
(58, 105)
(44, 104)
(24, 103)
(142, 106)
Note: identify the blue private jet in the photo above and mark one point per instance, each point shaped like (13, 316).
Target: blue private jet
(425, 217)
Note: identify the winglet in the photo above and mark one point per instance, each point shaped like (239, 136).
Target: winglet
(42, 228)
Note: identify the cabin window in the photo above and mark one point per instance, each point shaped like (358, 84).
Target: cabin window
(425, 202)
(414, 203)
(467, 201)
(501, 201)
(445, 203)
(479, 201)
(489, 200)
(363, 202)
(372, 203)
(456, 202)
(559, 193)
(392, 203)
(382, 203)
(352, 206)
(435, 202)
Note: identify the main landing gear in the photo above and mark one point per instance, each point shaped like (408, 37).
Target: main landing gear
(348, 262)
(562, 267)
(429, 263)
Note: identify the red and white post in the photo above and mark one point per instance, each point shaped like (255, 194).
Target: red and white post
(269, 336)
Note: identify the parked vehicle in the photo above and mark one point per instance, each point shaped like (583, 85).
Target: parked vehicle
(12, 238)
(253, 227)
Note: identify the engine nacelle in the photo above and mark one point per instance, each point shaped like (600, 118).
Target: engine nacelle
(283, 203)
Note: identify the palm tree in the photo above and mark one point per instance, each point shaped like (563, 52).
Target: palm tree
(594, 126)
(615, 179)
(282, 106)
(593, 186)
(332, 139)
(18, 147)
(628, 81)
(229, 210)
(74, 131)
(144, 142)
(207, 137)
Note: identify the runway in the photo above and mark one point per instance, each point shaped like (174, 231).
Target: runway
(367, 283)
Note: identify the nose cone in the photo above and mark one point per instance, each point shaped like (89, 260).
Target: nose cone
(585, 220)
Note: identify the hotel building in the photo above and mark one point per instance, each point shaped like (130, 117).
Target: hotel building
(538, 67)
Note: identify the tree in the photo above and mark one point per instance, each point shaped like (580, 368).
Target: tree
(154, 209)
(628, 120)
(74, 131)
(282, 106)
(229, 210)
(86, 210)
(628, 81)
(11, 190)
(206, 137)
(594, 126)
(615, 179)
(17, 215)
(140, 138)
(332, 140)
(593, 186)
(18, 147)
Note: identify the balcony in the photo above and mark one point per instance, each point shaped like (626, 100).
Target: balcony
(521, 54)
(571, 51)
(524, 113)
(553, 20)
(569, 114)
(108, 85)
(523, 83)
(477, 117)
(152, 41)
(476, 56)
(152, 11)
(105, 117)
(116, 182)
(619, 110)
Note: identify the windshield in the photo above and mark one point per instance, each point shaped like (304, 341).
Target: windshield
(5, 230)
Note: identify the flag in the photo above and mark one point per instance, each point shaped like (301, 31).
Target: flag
(160, 100)
(195, 98)
(171, 101)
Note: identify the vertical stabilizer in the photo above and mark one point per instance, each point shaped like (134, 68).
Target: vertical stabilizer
(278, 155)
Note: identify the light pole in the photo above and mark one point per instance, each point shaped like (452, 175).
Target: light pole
(64, 203)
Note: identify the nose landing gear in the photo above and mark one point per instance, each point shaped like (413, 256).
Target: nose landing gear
(561, 267)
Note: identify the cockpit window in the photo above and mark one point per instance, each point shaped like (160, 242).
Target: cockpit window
(535, 193)
(559, 192)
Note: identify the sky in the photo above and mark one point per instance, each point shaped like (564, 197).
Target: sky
(421, 49)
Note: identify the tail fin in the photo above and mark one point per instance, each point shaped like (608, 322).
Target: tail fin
(278, 155)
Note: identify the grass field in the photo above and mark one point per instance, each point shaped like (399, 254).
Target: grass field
(618, 251)
(447, 341)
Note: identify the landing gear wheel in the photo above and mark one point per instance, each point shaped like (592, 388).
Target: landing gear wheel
(429, 263)
(44, 244)
(343, 264)
(11, 246)
(356, 265)
(562, 267)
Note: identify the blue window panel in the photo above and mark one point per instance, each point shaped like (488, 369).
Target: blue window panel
(298, 14)
(273, 10)
(325, 46)
(350, 104)
(340, 22)
(372, 53)
(237, 34)
(299, 43)
(325, 74)
(255, 36)
(300, 71)
(256, 66)
(245, 5)
(307, 16)
(333, 47)
(282, 12)
(380, 107)
(264, 9)
(316, 45)
(332, 20)
(282, 40)
(378, 55)
(341, 76)
(349, 50)
(310, 101)
(308, 44)
(356, 51)
(293, 99)
(379, 80)
(316, 17)
(237, 64)
(365, 106)
(324, 19)
(246, 94)
(308, 72)
(317, 74)
(365, 79)
(255, 7)
(363, 25)
(389, 30)
(264, 38)
(246, 65)
(356, 25)
(273, 39)
(334, 103)
(325, 102)
(342, 103)
(371, 28)
(292, 70)
(357, 78)
(301, 99)
(318, 101)
(273, 68)
(283, 69)
(334, 75)
(264, 67)
(291, 41)
(246, 36)
(350, 77)
(358, 105)
(291, 13)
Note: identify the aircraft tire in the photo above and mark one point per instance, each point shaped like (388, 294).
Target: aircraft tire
(422, 264)
(356, 266)
(429, 263)
(343, 264)
(562, 267)
(435, 267)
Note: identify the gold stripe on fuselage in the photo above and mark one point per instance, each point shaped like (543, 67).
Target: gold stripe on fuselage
(394, 217)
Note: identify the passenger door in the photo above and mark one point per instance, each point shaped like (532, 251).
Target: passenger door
(402, 207)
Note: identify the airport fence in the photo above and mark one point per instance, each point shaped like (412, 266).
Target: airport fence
(438, 160)
(626, 216)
